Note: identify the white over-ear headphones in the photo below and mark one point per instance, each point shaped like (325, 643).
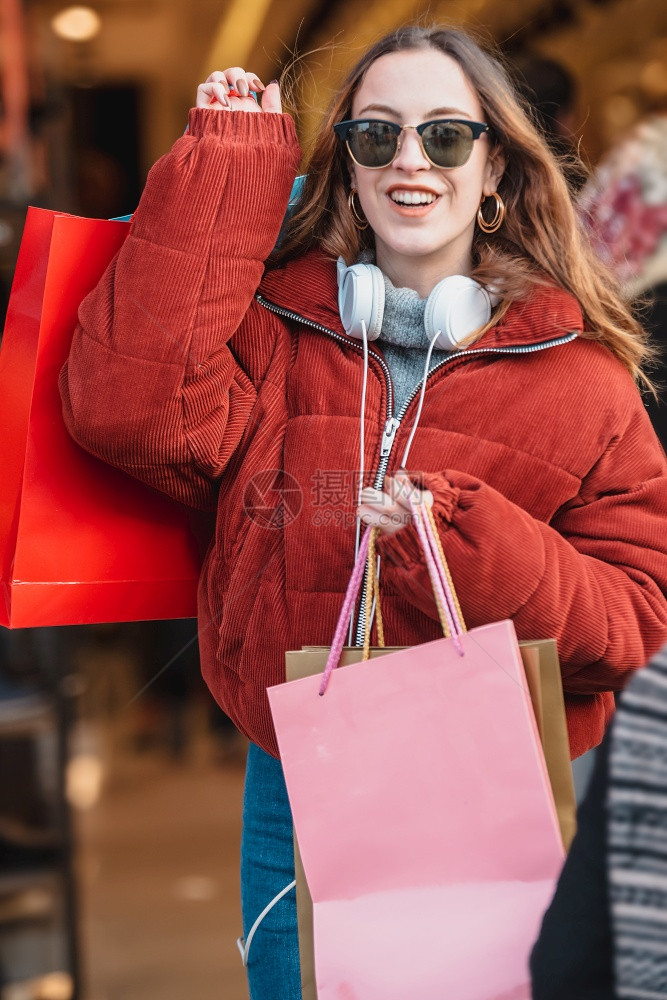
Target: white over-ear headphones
(456, 307)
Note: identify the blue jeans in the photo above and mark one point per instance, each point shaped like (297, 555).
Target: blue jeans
(267, 866)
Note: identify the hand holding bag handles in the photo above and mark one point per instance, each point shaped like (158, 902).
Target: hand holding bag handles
(423, 811)
(449, 609)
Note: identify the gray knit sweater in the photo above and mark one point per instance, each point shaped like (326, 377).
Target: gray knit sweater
(404, 341)
(403, 338)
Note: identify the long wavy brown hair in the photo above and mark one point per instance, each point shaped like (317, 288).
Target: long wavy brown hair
(541, 240)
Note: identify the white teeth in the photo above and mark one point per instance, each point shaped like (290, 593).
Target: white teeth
(412, 197)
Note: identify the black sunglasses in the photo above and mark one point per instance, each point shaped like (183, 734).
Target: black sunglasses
(446, 142)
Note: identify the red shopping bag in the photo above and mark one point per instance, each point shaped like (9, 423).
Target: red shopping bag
(80, 542)
(423, 811)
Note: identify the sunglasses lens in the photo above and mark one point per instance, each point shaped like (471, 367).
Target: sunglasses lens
(448, 144)
(372, 144)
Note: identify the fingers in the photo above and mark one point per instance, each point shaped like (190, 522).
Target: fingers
(213, 95)
(378, 509)
(390, 511)
(401, 488)
(271, 99)
(232, 89)
(236, 78)
(389, 522)
(374, 497)
(235, 75)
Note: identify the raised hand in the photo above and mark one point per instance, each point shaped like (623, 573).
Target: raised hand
(229, 90)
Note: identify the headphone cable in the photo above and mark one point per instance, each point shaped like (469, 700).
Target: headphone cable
(362, 448)
(421, 399)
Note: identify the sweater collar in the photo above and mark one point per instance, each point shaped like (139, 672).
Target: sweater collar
(308, 286)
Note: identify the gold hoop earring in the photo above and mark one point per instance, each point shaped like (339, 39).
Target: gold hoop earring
(358, 219)
(497, 220)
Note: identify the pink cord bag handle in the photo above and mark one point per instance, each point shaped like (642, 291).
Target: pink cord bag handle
(348, 603)
(441, 582)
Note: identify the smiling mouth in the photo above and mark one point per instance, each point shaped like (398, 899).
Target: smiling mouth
(412, 198)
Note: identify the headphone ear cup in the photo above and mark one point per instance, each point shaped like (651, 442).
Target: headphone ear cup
(377, 312)
(456, 307)
(360, 299)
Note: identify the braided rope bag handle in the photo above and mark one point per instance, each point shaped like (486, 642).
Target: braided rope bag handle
(372, 594)
(441, 577)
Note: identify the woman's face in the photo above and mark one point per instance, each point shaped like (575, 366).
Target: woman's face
(436, 235)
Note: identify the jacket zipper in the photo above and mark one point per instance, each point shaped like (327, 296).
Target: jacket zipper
(393, 423)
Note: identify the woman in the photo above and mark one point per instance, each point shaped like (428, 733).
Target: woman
(234, 386)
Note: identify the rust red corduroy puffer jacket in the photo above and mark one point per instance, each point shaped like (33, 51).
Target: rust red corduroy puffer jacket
(550, 487)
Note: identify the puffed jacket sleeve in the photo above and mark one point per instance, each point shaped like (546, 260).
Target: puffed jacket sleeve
(151, 385)
(594, 579)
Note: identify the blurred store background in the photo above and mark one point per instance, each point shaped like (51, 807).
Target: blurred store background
(120, 780)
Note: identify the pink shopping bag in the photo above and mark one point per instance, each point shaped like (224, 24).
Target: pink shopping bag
(423, 812)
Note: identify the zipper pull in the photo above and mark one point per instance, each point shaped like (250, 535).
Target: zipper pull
(388, 436)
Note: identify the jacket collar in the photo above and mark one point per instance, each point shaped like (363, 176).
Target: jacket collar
(308, 286)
